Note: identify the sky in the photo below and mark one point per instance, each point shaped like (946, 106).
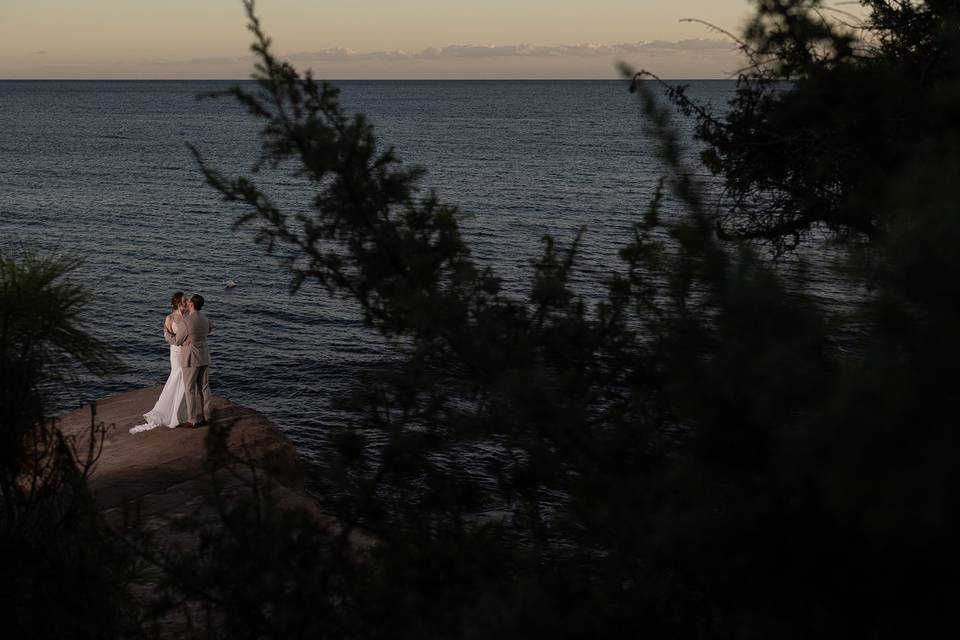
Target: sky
(389, 39)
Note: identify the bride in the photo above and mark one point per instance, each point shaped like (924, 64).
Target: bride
(171, 407)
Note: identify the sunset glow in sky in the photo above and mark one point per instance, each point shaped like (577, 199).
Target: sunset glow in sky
(368, 39)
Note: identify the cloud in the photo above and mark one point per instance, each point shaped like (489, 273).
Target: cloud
(165, 62)
(681, 58)
(335, 54)
(214, 60)
(480, 51)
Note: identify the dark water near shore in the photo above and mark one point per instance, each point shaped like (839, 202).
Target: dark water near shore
(100, 168)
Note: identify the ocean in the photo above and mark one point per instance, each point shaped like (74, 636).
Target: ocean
(101, 168)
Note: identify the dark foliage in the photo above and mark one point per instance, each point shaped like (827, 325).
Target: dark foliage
(689, 458)
(63, 576)
(828, 106)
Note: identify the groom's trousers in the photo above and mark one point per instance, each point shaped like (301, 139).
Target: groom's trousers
(196, 384)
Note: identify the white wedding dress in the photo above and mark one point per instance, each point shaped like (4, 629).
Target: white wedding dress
(171, 407)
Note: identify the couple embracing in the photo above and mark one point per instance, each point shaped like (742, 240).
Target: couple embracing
(185, 399)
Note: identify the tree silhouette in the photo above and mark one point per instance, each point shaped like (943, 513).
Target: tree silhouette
(690, 457)
(827, 104)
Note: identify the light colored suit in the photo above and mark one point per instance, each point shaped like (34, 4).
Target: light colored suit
(195, 362)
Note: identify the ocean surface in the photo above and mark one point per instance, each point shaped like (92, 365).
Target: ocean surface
(101, 169)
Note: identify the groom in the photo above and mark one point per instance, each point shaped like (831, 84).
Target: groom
(195, 362)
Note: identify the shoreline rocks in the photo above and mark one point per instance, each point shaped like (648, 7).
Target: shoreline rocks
(160, 476)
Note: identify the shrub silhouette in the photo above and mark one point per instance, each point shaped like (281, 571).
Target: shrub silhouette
(64, 573)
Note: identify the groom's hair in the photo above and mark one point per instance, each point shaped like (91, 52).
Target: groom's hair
(197, 301)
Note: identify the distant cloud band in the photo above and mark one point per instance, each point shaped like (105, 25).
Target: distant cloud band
(585, 50)
(702, 47)
(163, 62)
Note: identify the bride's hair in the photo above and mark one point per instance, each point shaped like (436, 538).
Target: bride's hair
(175, 299)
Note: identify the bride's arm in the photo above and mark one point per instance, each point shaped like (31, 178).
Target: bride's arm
(168, 329)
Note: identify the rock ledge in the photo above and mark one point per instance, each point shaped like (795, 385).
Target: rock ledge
(162, 468)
